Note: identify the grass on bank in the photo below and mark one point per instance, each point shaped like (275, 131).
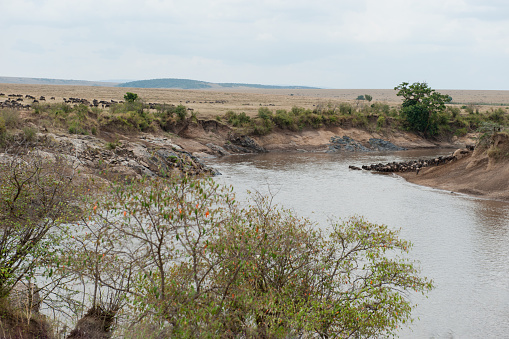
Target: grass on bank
(378, 117)
(137, 116)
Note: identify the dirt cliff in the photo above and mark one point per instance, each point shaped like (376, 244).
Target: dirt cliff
(483, 173)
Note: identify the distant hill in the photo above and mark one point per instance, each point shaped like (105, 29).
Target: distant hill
(195, 84)
(154, 83)
(45, 81)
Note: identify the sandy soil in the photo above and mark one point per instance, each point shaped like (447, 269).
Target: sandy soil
(476, 174)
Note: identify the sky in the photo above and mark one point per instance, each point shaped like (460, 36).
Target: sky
(344, 44)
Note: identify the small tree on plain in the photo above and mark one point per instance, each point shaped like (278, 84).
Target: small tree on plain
(130, 97)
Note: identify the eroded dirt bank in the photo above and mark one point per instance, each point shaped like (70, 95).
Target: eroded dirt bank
(196, 137)
(483, 173)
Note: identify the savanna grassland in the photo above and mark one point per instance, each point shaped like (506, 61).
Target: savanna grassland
(210, 103)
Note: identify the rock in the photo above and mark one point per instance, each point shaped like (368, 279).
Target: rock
(383, 145)
(218, 149)
(149, 156)
(244, 144)
(346, 144)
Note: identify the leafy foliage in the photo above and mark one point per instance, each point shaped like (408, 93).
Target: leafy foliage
(35, 196)
(421, 106)
(130, 97)
(186, 256)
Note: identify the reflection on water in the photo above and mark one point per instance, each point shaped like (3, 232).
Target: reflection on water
(461, 242)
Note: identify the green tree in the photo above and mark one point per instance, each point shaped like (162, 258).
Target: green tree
(130, 97)
(368, 97)
(421, 106)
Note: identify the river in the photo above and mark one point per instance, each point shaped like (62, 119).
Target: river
(462, 243)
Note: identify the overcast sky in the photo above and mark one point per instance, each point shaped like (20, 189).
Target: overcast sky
(450, 44)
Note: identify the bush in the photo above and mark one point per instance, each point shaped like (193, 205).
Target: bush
(460, 132)
(3, 129)
(237, 120)
(454, 111)
(345, 108)
(192, 261)
(497, 116)
(35, 197)
(181, 112)
(284, 120)
(262, 127)
(486, 130)
(264, 113)
(10, 117)
(29, 133)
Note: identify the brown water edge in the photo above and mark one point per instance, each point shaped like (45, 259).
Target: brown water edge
(474, 175)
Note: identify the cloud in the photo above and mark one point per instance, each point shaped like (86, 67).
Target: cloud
(351, 43)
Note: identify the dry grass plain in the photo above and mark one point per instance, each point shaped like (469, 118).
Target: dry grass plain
(209, 103)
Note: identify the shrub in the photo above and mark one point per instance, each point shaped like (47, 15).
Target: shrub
(345, 108)
(10, 117)
(264, 113)
(360, 120)
(486, 130)
(165, 111)
(181, 112)
(460, 132)
(35, 197)
(29, 133)
(194, 262)
(315, 120)
(497, 116)
(262, 128)
(380, 122)
(454, 111)
(283, 119)
(76, 128)
(237, 120)
(3, 129)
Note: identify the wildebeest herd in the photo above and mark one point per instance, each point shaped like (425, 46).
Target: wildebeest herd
(409, 166)
(16, 101)
(25, 102)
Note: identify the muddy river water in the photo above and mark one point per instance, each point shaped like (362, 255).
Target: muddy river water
(462, 243)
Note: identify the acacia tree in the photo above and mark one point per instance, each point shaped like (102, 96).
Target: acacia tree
(421, 106)
(192, 261)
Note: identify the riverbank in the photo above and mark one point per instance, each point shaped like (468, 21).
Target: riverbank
(483, 173)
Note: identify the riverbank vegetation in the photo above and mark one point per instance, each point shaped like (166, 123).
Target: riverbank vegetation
(423, 111)
(180, 257)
